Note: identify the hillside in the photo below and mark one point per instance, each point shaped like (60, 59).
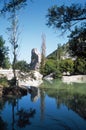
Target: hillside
(61, 50)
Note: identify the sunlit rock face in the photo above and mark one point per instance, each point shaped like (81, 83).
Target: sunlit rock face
(35, 59)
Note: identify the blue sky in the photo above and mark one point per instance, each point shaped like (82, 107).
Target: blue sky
(32, 23)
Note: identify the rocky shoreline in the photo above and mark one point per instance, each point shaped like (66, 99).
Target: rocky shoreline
(24, 81)
(33, 78)
(74, 78)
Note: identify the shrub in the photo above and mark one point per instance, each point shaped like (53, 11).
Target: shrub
(50, 67)
(67, 65)
(80, 66)
(22, 66)
(4, 81)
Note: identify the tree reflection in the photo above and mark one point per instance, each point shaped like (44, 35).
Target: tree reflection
(19, 116)
(24, 117)
(22, 114)
(73, 100)
(3, 125)
(42, 103)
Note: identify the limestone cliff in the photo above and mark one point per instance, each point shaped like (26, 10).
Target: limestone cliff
(35, 59)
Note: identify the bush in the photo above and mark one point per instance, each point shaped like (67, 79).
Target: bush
(4, 81)
(50, 67)
(67, 65)
(80, 66)
(22, 66)
(57, 74)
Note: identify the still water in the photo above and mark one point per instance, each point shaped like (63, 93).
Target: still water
(54, 106)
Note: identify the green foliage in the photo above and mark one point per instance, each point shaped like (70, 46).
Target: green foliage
(4, 81)
(52, 55)
(80, 66)
(77, 42)
(6, 63)
(57, 74)
(9, 4)
(67, 65)
(4, 60)
(49, 67)
(60, 51)
(64, 17)
(23, 66)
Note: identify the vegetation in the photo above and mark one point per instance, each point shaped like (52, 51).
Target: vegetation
(77, 42)
(49, 67)
(59, 86)
(80, 66)
(70, 18)
(4, 82)
(67, 65)
(11, 7)
(4, 60)
(8, 5)
(22, 66)
(66, 17)
(43, 54)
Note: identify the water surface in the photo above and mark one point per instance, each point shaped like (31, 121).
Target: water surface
(55, 106)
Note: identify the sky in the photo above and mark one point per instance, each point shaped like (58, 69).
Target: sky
(32, 24)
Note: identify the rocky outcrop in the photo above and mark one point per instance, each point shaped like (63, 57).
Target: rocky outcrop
(8, 73)
(35, 59)
(33, 78)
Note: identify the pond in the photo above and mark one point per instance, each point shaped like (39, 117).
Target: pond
(54, 106)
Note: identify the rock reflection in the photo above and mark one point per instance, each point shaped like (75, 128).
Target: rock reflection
(35, 93)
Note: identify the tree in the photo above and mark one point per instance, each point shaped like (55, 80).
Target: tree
(8, 5)
(77, 42)
(67, 66)
(14, 37)
(80, 66)
(43, 52)
(3, 53)
(65, 17)
(12, 7)
(22, 65)
(72, 18)
(6, 63)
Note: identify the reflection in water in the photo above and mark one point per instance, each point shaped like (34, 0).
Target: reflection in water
(3, 125)
(75, 102)
(24, 117)
(42, 103)
(44, 108)
(35, 94)
(20, 118)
